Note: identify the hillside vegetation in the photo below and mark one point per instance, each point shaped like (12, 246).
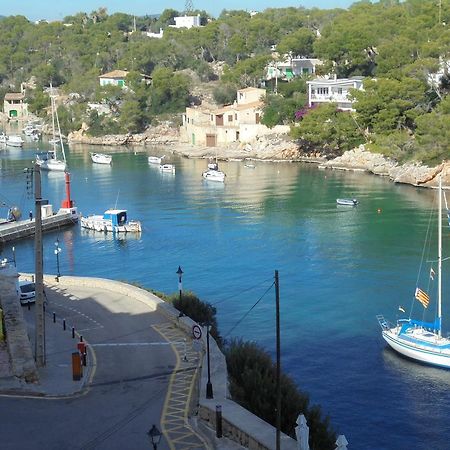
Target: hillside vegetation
(397, 46)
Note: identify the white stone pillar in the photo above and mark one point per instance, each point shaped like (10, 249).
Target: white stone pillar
(302, 433)
(341, 442)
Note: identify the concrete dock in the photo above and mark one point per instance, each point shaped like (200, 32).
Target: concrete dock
(12, 231)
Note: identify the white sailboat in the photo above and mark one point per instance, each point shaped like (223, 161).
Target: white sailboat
(213, 173)
(49, 160)
(418, 339)
(101, 158)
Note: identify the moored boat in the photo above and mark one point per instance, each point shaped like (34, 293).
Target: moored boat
(14, 141)
(214, 175)
(422, 340)
(112, 221)
(347, 201)
(101, 158)
(49, 161)
(168, 168)
(155, 159)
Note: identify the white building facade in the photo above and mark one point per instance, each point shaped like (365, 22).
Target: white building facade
(323, 90)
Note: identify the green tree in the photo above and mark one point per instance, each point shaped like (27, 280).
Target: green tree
(327, 128)
(299, 42)
(170, 91)
(132, 118)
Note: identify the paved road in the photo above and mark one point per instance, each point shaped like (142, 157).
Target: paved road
(132, 372)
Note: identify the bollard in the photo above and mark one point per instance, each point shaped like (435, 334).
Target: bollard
(84, 358)
(73, 332)
(219, 421)
(185, 351)
(54, 317)
(77, 370)
(81, 338)
(64, 324)
(29, 306)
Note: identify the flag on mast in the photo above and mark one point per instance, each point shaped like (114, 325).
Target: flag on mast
(423, 297)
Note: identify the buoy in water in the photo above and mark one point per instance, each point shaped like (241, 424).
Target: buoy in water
(379, 210)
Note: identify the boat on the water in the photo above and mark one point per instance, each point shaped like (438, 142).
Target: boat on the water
(155, 159)
(14, 141)
(101, 158)
(168, 168)
(49, 160)
(347, 201)
(214, 175)
(112, 221)
(422, 340)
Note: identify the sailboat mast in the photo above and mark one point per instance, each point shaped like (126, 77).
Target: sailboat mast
(60, 136)
(52, 103)
(440, 257)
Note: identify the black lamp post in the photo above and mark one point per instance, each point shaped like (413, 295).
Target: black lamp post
(179, 272)
(209, 388)
(57, 252)
(155, 436)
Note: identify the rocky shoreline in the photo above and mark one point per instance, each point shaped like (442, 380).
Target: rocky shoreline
(275, 148)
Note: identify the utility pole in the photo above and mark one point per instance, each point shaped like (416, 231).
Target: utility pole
(278, 379)
(39, 272)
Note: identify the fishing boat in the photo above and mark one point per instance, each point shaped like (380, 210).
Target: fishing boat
(214, 175)
(101, 158)
(49, 160)
(155, 159)
(14, 141)
(112, 221)
(347, 201)
(419, 339)
(168, 168)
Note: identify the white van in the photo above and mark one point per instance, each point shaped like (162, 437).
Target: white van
(27, 292)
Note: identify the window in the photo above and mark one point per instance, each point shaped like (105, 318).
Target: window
(339, 91)
(235, 116)
(230, 118)
(322, 91)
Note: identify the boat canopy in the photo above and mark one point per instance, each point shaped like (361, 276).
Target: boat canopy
(409, 323)
(116, 216)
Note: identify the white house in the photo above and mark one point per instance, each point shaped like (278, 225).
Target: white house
(187, 22)
(333, 90)
(116, 78)
(155, 35)
(292, 67)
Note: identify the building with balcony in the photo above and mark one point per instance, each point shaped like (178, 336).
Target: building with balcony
(210, 126)
(333, 90)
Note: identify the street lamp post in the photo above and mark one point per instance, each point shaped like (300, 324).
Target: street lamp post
(209, 388)
(155, 436)
(179, 272)
(57, 252)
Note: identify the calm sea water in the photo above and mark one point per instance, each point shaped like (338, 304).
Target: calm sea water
(338, 268)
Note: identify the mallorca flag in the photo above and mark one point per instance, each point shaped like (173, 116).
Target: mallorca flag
(422, 297)
(432, 273)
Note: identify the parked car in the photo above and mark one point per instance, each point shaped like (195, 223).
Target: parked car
(27, 292)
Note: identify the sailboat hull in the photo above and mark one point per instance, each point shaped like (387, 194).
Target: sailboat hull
(436, 352)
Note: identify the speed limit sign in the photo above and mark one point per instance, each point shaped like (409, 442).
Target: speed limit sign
(196, 332)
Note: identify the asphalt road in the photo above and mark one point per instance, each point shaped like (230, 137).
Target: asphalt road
(133, 365)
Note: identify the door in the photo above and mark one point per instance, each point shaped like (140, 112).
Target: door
(211, 140)
(193, 139)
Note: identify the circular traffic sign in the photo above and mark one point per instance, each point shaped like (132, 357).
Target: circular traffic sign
(196, 332)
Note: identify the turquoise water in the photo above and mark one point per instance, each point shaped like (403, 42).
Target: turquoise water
(338, 267)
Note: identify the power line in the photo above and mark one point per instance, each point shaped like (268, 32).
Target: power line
(248, 312)
(241, 292)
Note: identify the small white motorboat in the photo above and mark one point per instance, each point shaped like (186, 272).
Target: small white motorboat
(112, 221)
(168, 168)
(214, 175)
(347, 201)
(14, 141)
(101, 158)
(155, 159)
